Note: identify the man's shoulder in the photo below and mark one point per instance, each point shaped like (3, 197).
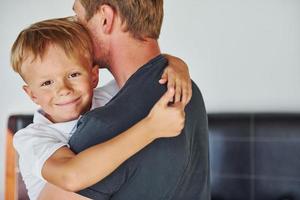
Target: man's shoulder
(150, 70)
(141, 87)
(197, 97)
(132, 103)
(144, 82)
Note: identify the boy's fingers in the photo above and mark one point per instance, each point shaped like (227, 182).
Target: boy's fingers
(179, 106)
(171, 83)
(185, 94)
(162, 80)
(164, 100)
(178, 91)
(164, 77)
(184, 97)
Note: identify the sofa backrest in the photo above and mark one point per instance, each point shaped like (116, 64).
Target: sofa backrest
(252, 156)
(255, 156)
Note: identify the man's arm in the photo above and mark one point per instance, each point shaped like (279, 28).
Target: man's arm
(75, 172)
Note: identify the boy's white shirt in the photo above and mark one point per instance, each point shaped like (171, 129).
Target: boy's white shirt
(39, 140)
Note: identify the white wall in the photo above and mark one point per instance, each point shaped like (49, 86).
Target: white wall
(244, 55)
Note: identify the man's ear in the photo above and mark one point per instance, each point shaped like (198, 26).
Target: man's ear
(95, 76)
(29, 92)
(108, 16)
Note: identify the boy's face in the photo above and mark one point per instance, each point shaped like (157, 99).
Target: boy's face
(62, 86)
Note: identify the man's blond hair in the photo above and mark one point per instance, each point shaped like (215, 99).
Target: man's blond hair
(142, 18)
(66, 33)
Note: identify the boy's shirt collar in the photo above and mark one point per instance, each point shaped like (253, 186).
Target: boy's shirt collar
(66, 127)
(39, 117)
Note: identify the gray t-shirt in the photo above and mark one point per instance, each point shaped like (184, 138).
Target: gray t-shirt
(169, 168)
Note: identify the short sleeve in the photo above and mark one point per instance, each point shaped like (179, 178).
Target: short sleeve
(104, 94)
(35, 144)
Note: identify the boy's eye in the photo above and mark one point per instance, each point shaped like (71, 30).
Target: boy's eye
(73, 75)
(46, 83)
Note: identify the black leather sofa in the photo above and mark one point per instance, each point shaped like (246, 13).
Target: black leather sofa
(253, 156)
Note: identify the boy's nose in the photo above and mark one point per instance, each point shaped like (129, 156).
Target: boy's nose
(64, 89)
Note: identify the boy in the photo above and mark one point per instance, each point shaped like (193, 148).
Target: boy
(54, 58)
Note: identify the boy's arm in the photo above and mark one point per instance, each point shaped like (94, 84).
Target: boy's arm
(51, 192)
(178, 77)
(75, 172)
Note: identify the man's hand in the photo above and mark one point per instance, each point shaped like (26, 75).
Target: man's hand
(177, 76)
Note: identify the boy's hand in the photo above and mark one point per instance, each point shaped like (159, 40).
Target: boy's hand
(166, 120)
(177, 76)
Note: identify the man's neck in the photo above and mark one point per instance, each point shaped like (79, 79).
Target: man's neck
(128, 55)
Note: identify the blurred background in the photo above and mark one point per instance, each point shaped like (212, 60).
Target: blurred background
(244, 55)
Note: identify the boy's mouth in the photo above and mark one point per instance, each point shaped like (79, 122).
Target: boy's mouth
(70, 102)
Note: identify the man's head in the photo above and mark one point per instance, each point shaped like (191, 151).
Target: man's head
(107, 20)
(54, 58)
(142, 18)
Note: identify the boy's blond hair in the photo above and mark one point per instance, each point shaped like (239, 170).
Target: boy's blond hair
(143, 18)
(66, 33)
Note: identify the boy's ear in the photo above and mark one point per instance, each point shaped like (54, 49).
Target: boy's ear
(95, 76)
(108, 15)
(29, 92)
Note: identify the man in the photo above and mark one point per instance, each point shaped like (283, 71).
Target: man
(124, 34)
